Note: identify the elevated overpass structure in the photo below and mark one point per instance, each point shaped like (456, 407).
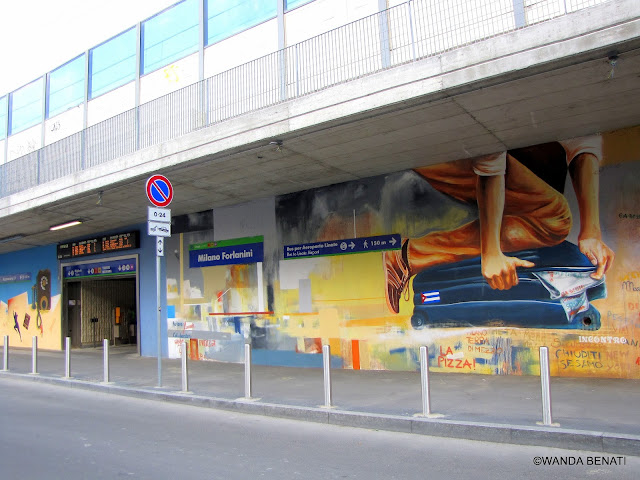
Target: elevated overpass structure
(388, 92)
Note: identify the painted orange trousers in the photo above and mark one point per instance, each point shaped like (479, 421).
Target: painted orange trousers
(535, 215)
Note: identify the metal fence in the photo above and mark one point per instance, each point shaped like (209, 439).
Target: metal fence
(402, 34)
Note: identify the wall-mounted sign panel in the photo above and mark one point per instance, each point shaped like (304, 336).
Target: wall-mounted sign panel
(236, 251)
(107, 268)
(97, 245)
(343, 247)
(15, 277)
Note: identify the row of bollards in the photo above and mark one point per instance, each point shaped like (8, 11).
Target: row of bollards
(326, 364)
(424, 381)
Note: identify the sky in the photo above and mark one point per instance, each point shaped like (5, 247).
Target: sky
(37, 36)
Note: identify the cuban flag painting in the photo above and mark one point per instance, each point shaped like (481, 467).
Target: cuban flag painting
(430, 297)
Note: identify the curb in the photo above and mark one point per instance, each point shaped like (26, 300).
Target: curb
(605, 442)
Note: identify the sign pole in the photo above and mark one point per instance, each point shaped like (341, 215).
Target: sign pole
(160, 194)
(159, 321)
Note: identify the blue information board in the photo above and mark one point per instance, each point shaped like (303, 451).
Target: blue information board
(125, 266)
(343, 247)
(237, 251)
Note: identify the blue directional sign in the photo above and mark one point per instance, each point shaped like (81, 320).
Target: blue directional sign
(343, 247)
(101, 269)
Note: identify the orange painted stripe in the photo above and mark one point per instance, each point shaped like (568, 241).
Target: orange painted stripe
(355, 354)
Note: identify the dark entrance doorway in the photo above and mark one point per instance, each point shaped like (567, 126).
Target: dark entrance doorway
(102, 308)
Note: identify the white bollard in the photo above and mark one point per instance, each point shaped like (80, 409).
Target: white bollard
(105, 356)
(248, 380)
(185, 372)
(34, 355)
(424, 377)
(67, 357)
(6, 353)
(546, 390)
(326, 365)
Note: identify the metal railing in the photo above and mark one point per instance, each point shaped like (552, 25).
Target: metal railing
(402, 34)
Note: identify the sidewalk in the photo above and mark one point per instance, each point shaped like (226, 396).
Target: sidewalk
(588, 414)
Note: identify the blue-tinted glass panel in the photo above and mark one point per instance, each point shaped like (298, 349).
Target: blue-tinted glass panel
(66, 86)
(26, 106)
(171, 35)
(3, 117)
(112, 64)
(295, 3)
(227, 17)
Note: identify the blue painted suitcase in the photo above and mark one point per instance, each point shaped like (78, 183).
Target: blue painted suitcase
(457, 295)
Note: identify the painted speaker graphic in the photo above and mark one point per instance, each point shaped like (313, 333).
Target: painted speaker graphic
(43, 285)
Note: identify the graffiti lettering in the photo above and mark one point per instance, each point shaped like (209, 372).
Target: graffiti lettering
(634, 306)
(629, 286)
(616, 355)
(206, 343)
(449, 359)
(631, 216)
(456, 363)
(615, 317)
(601, 339)
(580, 364)
(579, 354)
(23, 149)
(631, 275)
(55, 126)
(489, 349)
(478, 337)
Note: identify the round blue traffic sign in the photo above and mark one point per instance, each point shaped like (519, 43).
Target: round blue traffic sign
(159, 190)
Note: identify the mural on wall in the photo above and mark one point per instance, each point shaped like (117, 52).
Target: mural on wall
(34, 311)
(516, 244)
(484, 261)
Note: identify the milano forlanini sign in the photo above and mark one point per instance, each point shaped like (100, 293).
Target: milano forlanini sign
(236, 251)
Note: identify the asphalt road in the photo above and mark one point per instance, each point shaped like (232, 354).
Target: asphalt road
(55, 432)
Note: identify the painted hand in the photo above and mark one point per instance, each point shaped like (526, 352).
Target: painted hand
(598, 253)
(500, 270)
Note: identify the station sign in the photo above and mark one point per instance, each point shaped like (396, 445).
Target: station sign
(344, 246)
(237, 251)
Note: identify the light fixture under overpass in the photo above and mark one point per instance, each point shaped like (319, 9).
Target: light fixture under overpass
(65, 225)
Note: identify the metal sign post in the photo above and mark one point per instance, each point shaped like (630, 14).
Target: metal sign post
(160, 194)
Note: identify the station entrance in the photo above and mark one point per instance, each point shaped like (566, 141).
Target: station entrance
(101, 302)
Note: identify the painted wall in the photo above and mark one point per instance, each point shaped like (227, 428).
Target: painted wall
(30, 298)
(21, 272)
(565, 273)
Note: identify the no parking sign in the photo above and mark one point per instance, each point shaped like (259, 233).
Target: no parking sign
(159, 190)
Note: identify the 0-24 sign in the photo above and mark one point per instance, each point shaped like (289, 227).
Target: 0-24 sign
(159, 215)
